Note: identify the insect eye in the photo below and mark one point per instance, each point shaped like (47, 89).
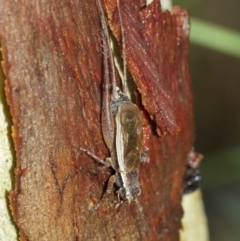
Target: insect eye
(136, 192)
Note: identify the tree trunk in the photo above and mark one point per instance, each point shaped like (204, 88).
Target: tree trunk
(53, 64)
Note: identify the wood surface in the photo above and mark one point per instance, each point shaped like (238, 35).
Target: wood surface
(53, 64)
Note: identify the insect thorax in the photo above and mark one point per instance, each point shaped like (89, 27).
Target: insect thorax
(115, 103)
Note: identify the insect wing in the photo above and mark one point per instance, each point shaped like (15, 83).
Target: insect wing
(129, 118)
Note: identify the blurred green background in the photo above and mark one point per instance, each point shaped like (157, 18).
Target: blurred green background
(215, 72)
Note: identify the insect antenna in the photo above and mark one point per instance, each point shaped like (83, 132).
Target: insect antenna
(124, 80)
(139, 220)
(140, 209)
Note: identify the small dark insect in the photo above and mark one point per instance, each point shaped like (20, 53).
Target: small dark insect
(192, 177)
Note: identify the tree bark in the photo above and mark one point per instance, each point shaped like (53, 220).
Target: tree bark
(54, 73)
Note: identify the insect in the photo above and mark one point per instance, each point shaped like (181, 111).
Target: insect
(192, 177)
(121, 123)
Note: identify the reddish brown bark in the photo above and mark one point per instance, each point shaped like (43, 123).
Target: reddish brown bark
(53, 65)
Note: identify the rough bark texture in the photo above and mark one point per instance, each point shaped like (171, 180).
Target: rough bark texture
(53, 65)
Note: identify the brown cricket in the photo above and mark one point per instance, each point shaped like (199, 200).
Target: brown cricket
(121, 123)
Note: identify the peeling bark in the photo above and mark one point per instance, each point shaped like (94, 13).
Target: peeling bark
(53, 65)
